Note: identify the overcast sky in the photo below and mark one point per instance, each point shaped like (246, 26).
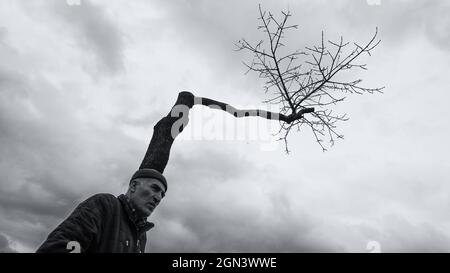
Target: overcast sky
(81, 87)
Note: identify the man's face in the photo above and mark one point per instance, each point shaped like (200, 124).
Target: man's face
(145, 195)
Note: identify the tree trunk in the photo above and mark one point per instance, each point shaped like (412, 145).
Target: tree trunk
(158, 150)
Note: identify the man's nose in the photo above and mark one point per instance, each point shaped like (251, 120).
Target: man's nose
(157, 197)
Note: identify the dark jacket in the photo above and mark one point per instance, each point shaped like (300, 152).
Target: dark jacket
(102, 223)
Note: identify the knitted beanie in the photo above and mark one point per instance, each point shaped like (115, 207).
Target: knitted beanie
(150, 173)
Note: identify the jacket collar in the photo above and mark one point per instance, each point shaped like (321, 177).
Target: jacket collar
(140, 223)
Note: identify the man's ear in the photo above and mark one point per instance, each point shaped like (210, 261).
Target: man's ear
(133, 185)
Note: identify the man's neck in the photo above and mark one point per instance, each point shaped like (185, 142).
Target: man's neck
(140, 222)
(134, 211)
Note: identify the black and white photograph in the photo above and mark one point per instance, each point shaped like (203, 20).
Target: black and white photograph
(224, 126)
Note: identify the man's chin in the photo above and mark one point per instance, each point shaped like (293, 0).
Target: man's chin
(147, 212)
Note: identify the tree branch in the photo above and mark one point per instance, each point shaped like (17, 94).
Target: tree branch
(251, 112)
(169, 127)
(311, 83)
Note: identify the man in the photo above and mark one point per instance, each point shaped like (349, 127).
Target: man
(105, 223)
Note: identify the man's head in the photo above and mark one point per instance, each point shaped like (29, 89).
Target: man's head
(147, 188)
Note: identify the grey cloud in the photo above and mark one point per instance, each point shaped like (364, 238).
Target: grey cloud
(27, 227)
(27, 147)
(241, 233)
(397, 234)
(402, 21)
(209, 164)
(3, 33)
(211, 207)
(203, 29)
(438, 26)
(142, 121)
(4, 245)
(50, 160)
(90, 27)
(209, 28)
(96, 32)
(231, 227)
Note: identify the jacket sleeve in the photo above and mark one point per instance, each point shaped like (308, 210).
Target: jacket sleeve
(81, 229)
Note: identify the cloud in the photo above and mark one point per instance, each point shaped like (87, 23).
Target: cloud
(87, 27)
(398, 234)
(3, 33)
(210, 29)
(5, 245)
(401, 22)
(438, 26)
(216, 204)
(96, 32)
(49, 162)
(236, 228)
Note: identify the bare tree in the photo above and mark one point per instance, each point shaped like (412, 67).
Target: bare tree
(306, 79)
(302, 83)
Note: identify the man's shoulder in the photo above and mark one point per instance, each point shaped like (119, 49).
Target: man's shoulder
(103, 196)
(101, 199)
